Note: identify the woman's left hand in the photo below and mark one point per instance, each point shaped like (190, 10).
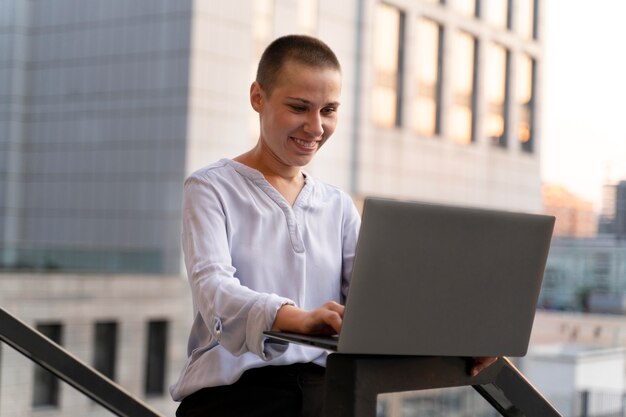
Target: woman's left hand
(481, 363)
(325, 320)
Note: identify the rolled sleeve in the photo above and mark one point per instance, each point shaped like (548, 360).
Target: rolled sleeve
(268, 348)
(235, 315)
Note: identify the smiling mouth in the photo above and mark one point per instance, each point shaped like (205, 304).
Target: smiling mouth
(304, 143)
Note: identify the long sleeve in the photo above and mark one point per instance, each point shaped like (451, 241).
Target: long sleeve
(247, 253)
(235, 315)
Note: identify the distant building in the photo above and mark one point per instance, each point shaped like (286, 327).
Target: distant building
(563, 373)
(613, 217)
(606, 221)
(577, 268)
(620, 210)
(592, 378)
(575, 217)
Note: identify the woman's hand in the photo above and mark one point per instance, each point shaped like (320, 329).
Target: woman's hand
(480, 364)
(325, 320)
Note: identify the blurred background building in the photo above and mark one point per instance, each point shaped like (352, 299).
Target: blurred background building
(580, 333)
(613, 216)
(575, 217)
(106, 106)
(586, 270)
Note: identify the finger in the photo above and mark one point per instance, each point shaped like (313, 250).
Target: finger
(336, 307)
(481, 363)
(333, 319)
(478, 366)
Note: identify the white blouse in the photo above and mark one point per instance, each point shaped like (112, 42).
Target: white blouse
(247, 253)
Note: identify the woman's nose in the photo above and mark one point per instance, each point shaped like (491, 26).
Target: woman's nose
(313, 125)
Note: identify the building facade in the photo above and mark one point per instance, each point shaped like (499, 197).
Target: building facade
(106, 106)
(578, 268)
(575, 217)
(613, 217)
(131, 328)
(620, 210)
(93, 134)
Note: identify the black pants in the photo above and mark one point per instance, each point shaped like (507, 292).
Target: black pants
(272, 391)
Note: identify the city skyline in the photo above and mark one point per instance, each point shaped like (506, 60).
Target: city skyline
(584, 140)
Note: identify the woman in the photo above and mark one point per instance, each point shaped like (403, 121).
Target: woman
(267, 246)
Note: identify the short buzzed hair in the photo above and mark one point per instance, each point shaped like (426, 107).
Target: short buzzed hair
(301, 49)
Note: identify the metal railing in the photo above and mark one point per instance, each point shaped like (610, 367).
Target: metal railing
(353, 383)
(70, 369)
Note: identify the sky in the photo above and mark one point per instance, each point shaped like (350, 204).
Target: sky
(584, 95)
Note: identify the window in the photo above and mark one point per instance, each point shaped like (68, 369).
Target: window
(155, 357)
(463, 81)
(46, 385)
(496, 13)
(388, 60)
(606, 223)
(105, 345)
(464, 7)
(525, 101)
(526, 19)
(601, 270)
(496, 94)
(308, 11)
(427, 104)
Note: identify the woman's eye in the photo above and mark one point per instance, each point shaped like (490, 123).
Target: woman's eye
(329, 110)
(298, 108)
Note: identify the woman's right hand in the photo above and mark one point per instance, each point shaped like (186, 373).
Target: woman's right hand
(325, 320)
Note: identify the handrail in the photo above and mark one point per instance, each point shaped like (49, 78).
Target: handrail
(353, 383)
(70, 369)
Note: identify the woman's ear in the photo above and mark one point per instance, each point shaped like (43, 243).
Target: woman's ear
(256, 96)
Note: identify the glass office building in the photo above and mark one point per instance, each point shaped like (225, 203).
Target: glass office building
(107, 105)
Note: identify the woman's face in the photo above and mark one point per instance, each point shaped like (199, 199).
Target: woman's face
(300, 114)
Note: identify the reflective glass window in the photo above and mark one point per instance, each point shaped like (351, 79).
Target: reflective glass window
(526, 18)
(496, 12)
(156, 358)
(427, 102)
(105, 348)
(464, 7)
(45, 383)
(387, 66)
(525, 102)
(462, 109)
(496, 93)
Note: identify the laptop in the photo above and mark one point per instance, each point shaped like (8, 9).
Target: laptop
(440, 280)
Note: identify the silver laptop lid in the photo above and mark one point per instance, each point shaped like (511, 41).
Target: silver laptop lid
(439, 280)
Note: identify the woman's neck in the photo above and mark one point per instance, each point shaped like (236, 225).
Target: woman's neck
(287, 180)
(269, 166)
